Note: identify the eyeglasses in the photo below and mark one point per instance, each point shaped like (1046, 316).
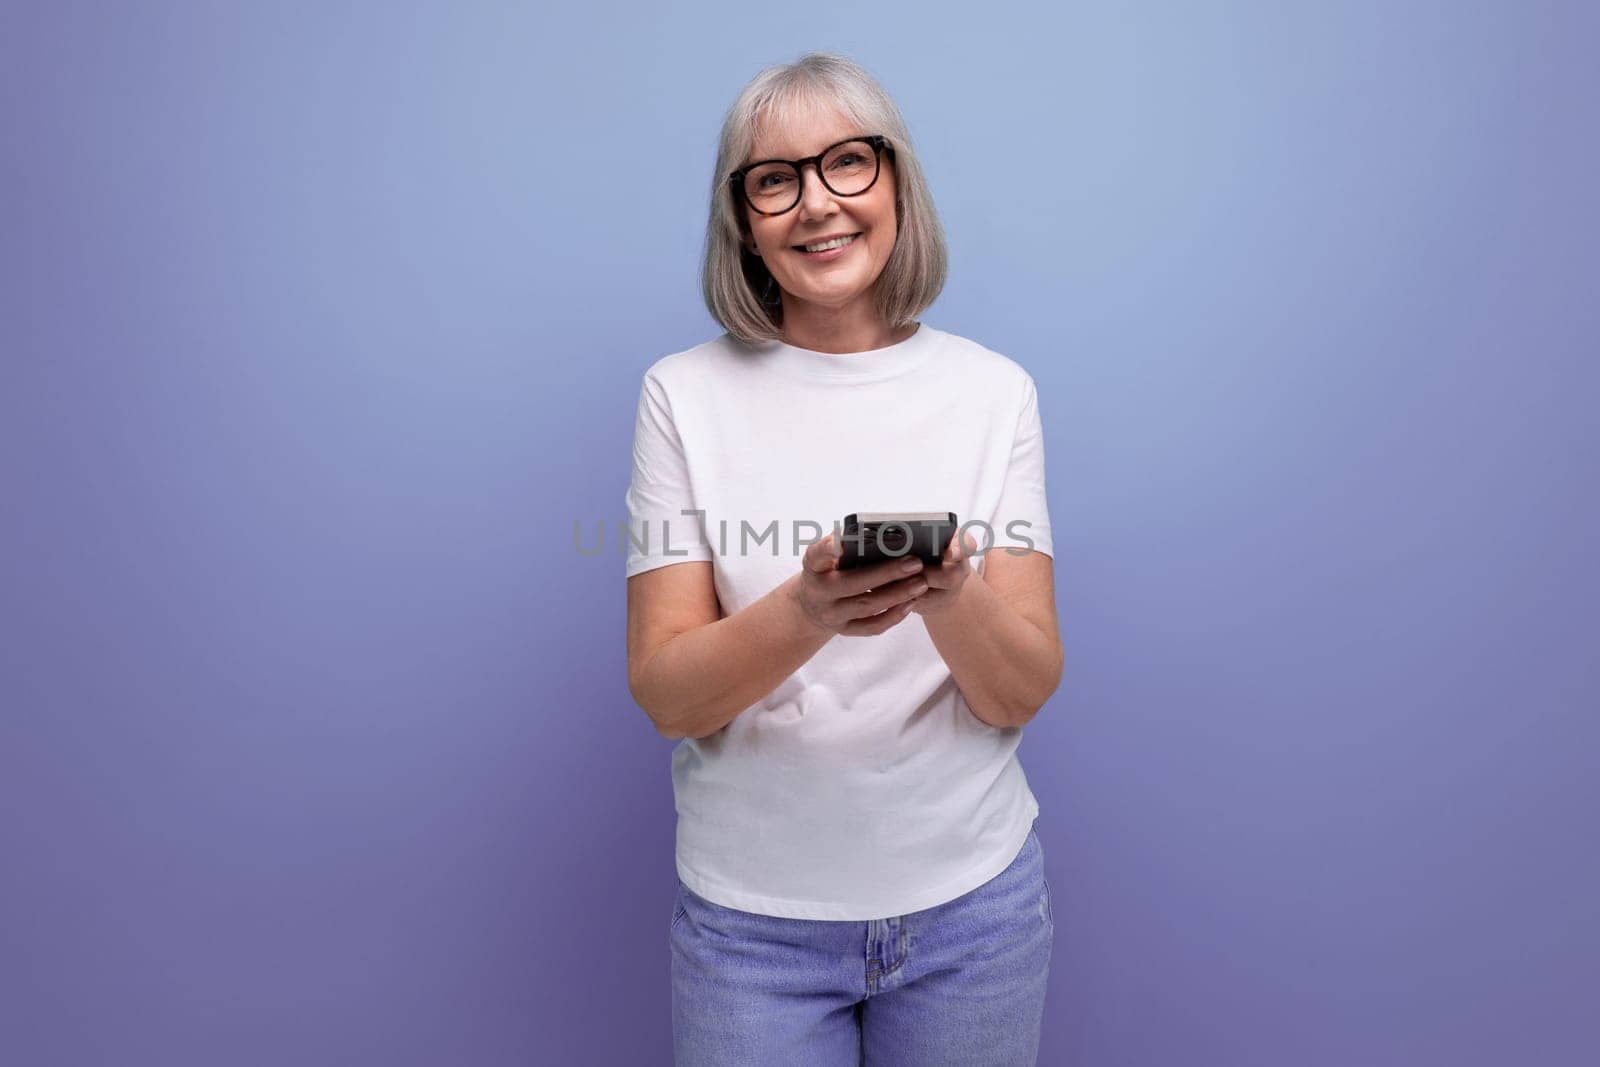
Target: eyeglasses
(848, 168)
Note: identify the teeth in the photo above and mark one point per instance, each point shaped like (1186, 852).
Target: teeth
(838, 242)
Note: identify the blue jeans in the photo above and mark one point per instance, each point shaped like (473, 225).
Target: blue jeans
(961, 984)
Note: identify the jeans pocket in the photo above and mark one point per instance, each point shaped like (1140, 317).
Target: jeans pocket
(1049, 908)
(677, 910)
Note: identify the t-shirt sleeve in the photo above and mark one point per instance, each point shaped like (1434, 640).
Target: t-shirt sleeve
(1022, 519)
(659, 533)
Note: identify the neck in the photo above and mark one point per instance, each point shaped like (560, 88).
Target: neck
(839, 331)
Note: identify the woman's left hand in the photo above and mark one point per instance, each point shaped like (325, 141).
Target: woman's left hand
(946, 580)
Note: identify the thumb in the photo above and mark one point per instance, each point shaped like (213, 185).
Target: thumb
(820, 555)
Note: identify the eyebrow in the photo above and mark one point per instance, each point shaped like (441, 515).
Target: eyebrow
(756, 158)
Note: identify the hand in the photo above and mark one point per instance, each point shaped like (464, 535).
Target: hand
(858, 602)
(945, 581)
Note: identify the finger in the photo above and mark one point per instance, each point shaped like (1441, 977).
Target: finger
(859, 579)
(885, 596)
(878, 623)
(822, 555)
(958, 551)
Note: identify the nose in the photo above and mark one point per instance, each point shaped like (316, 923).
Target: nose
(815, 197)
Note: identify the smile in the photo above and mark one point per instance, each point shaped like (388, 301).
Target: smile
(826, 251)
(826, 247)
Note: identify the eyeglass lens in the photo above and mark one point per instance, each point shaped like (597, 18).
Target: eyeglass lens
(847, 169)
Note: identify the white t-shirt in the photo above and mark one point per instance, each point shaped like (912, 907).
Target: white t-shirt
(862, 787)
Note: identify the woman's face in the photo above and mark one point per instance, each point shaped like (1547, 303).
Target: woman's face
(832, 283)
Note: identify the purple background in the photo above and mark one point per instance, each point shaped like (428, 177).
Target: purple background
(321, 327)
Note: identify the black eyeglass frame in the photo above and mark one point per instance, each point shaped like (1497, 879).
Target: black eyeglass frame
(880, 144)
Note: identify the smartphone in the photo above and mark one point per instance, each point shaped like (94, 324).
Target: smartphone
(870, 537)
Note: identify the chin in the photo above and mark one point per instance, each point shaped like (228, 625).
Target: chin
(833, 299)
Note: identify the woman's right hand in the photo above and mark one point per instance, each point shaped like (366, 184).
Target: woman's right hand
(857, 602)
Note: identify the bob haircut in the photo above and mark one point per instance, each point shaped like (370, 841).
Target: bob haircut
(740, 292)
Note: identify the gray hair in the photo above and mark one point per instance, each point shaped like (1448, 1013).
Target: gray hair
(734, 279)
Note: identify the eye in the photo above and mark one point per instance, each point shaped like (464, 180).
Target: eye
(768, 181)
(848, 159)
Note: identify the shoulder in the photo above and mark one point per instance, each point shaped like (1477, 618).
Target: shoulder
(714, 355)
(1002, 378)
(696, 374)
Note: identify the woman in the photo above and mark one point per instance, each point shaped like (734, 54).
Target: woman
(858, 871)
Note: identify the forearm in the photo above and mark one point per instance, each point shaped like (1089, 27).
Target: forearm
(1004, 665)
(700, 681)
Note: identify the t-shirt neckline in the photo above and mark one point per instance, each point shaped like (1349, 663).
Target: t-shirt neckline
(874, 364)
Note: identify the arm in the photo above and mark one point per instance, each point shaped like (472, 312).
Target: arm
(996, 631)
(690, 668)
(693, 671)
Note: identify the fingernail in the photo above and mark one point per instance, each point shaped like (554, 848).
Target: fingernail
(911, 565)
